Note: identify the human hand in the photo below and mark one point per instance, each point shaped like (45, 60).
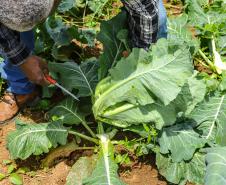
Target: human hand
(35, 69)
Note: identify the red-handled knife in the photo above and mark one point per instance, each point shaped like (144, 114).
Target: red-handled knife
(54, 82)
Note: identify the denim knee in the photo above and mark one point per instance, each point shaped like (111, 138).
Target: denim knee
(162, 33)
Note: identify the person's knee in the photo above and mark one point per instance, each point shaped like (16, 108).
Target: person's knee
(162, 19)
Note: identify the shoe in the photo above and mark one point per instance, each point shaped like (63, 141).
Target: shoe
(10, 105)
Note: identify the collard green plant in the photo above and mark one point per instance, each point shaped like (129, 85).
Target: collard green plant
(156, 89)
(138, 84)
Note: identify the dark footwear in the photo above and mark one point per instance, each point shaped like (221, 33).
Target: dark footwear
(10, 104)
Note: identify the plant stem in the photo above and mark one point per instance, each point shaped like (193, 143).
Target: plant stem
(116, 56)
(201, 62)
(89, 129)
(119, 109)
(206, 59)
(100, 128)
(83, 136)
(85, 148)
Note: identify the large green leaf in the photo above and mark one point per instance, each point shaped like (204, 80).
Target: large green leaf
(63, 53)
(105, 172)
(181, 141)
(192, 93)
(180, 33)
(216, 166)
(126, 115)
(113, 46)
(179, 173)
(35, 139)
(60, 32)
(81, 170)
(211, 118)
(141, 80)
(79, 77)
(68, 112)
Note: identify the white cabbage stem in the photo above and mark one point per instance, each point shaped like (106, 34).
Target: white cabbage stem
(218, 63)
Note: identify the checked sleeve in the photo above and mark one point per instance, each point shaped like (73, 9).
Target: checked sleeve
(143, 21)
(11, 47)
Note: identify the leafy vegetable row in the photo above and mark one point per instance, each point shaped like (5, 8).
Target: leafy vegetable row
(162, 88)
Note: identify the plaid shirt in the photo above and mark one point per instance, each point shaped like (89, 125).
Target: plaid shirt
(11, 46)
(143, 21)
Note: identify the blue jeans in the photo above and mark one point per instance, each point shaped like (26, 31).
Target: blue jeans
(162, 33)
(17, 81)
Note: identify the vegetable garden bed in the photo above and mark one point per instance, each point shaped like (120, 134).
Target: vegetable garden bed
(171, 99)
